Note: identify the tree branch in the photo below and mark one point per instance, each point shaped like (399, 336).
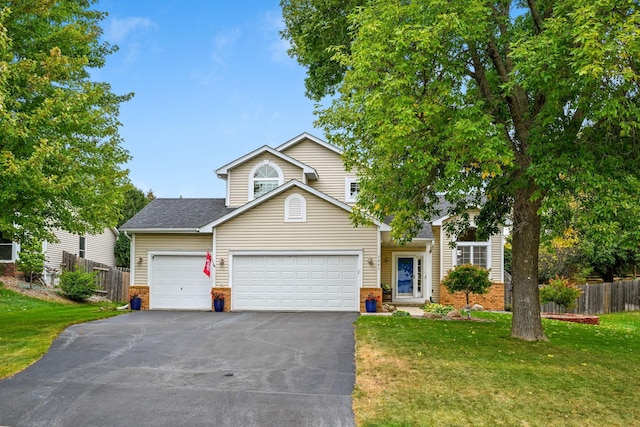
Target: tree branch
(535, 14)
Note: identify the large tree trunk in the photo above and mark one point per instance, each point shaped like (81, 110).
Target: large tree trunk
(527, 322)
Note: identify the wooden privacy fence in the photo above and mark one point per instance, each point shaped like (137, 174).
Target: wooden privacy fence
(597, 298)
(113, 281)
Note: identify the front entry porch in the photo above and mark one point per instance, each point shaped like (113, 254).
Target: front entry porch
(407, 272)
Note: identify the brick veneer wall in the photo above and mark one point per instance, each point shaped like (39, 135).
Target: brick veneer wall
(494, 300)
(226, 291)
(142, 292)
(364, 292)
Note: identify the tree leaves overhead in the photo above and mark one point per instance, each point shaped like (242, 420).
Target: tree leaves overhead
(61, 163)
(523, 106)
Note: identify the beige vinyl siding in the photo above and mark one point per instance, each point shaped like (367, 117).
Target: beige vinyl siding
(239, 177)
(328, 164)
(66, 242)
(496, 258)
(328, 227)
(165, 242)
(99, 248)
(386, 265)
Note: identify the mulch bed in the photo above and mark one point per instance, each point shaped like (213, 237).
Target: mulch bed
(35, 291)
(572, 317)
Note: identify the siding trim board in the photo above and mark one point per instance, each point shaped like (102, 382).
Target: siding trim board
(223, 171)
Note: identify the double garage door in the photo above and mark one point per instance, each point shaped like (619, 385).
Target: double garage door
(296, 282)
(260, 282)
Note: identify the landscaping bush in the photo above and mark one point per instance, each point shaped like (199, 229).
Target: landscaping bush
(401, 313)
(78, 285)
(561, 292)
(467, 278)
(440, 309)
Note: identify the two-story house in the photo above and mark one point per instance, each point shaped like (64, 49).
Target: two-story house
(282, 239)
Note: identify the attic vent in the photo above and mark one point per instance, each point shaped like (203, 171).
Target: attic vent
(295, 208)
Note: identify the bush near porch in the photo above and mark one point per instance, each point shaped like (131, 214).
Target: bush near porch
(493, 300)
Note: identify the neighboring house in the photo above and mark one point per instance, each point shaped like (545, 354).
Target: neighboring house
(98, 248)
(282, 239)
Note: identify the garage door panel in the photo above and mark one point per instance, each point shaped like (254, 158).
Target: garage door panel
(177, 282)
(305, 282)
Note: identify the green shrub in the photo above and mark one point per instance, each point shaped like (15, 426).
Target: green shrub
(401, 313)
(467, 278)
(561, 292)
(31, 260)
(78, 285)
(440, 309)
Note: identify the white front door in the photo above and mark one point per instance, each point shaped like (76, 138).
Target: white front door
(409, 277)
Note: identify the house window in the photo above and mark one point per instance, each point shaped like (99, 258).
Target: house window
(470, 251)
(351, 189)
(295, 208)
(264, 178)
(6, 249)
(82, 250)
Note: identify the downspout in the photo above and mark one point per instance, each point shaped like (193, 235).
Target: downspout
(132, 258)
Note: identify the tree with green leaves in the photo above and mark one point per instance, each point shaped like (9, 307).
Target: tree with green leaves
(468, 279)
(134, 200)
(31, 260)
(517, 107)
(61, 162)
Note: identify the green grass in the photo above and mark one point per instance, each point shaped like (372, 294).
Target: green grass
(419, 372)
(28, 326)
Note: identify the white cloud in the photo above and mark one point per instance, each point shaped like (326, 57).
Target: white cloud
(272, 24)
(119, 30)
(222, 43)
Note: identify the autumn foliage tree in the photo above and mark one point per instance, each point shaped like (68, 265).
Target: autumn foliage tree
(61, 162)
(519, 107)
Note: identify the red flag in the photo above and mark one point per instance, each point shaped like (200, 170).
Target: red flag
(207, 265)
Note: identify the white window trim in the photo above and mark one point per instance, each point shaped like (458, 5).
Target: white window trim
(255, 169)
(287, 212)
(347, 189)
(15, 248)
(82, 253)
(454, 255)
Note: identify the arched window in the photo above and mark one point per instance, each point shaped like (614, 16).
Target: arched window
(264, 178)
(295, 208)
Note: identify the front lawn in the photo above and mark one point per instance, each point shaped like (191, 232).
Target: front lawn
(28, 326)
(419, 372)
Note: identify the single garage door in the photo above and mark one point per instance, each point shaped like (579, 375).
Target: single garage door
(298, 282)
(178, 283)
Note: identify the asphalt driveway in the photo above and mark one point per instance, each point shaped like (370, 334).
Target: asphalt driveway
(159, 368)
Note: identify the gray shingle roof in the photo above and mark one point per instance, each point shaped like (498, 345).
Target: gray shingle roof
(442, 207)
(177, 214)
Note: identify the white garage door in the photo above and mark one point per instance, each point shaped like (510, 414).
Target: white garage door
(299, 282)
(177, 282)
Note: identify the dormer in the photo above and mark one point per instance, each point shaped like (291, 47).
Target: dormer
(259, 172)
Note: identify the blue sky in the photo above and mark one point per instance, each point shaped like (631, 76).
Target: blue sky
(212, 81)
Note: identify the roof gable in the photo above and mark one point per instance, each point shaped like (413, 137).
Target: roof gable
(275, 192)
(307, 136)
(223, 171)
